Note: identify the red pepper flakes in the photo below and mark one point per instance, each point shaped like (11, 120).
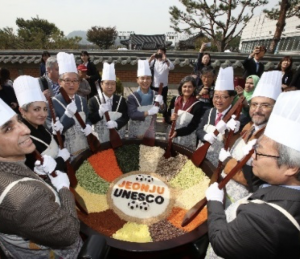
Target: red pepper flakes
(177, 216)
(106, 222)
(105, 165)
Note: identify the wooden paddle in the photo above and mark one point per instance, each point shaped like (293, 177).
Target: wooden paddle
(168, 150)
(92, 140)
(78, 199)
(149, 136)
(196, 209)
(70, 170)
(114, 136)
(200, 153)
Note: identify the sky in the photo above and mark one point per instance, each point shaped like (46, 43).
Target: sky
(140, 16)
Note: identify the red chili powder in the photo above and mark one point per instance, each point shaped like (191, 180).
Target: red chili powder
(105, 165)
(177, 216)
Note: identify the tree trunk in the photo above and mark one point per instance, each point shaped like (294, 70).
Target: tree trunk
(285, 5)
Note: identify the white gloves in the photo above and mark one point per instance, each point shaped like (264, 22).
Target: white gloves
(159, 99)
(224, 155)
(87, 130)
(210, 137)
(233, 124)
(103, 108)
(247, 148)
(57, 126)
(71, 109)
(111, 125)
(154, 110)
(47, 167)
(64, 154)
(60, 181)
(221, 127)
(213, 193)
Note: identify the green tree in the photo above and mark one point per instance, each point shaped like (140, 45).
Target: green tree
(8, 40)
(101, 36)
(227, 18)
(285, 9)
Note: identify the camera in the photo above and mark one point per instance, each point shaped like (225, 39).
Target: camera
(158, 55)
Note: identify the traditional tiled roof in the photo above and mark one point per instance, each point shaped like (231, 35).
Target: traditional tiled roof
(146, 42)
(190, 42)
(179, 58)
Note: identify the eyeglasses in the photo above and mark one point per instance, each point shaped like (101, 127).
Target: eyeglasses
(260, 154)
(68, 81)
(223, 98)
(263, 106)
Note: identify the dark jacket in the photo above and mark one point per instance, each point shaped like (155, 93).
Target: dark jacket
(94, 76)
(250, 68)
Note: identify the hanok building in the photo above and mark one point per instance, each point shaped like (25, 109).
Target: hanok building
(260, 31)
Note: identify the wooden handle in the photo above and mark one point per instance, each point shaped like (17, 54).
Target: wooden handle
(196, 209)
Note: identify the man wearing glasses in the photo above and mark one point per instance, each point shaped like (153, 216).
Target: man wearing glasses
(212, 118)
(261, 106)
(267, 222)
(75, 140)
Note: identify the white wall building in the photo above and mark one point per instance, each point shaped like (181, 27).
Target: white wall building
(260, 31)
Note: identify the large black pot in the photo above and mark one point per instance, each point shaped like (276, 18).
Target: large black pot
(181, 247)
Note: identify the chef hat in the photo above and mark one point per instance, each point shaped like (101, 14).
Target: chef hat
(27, 90)
(66, 63)
(269, 85)
(284, 123)
(109, 72)
(6, 112)
(143, 68)
(224, 80)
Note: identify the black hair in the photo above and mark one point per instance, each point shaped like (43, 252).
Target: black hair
(163, 49)
(85, 53)
(45, 53)
(184, 80)
(289, 68)
(206, 70)
(209, 62)
(4, 75)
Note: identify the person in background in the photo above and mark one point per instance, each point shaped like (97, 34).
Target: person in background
(45, 56)
(49, 81)
(212, 118)
(203, 61)
(5, 77)
(84, 87)
(265, 224)
(160, 66)
(247, 92)
(38, 220)
(252, 64)
(92, 74)
(188, 116)
(7, 94)
(141, 103)
(285, 66)
(34, 111)
(114, 104)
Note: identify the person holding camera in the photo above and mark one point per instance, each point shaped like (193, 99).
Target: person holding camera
(252, 64)
(203, 61)
(160, 66)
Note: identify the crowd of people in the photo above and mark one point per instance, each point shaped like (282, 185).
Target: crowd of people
(257, 218)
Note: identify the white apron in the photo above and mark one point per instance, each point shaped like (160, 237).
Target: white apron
(214, 149)
(75, 140)
(101, 129)
(136, 128)
(52, 148)
(184, 118)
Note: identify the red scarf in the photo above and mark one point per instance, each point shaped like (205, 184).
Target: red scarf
(187, 105)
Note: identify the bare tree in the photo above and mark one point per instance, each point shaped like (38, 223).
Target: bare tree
(286, 9)
(225, 17)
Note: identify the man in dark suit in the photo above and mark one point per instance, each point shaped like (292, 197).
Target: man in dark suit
(266, 224)
(252, 64)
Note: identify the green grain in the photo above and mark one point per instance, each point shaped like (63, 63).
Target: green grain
(128, 158)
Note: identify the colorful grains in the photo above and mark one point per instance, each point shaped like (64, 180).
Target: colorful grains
(149, 157)
(170, 167)
(164, 230)
(89, 180)
(93, 202)
(188, 176)
(128, 158)
(106, 167)
(106, 222)
(187, 198)
(177, 215)
(133, 232)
